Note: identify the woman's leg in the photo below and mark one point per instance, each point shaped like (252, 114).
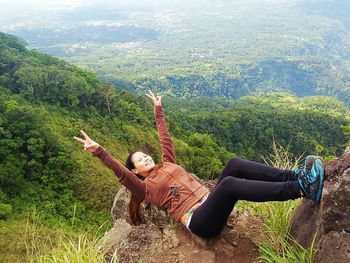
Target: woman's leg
(209, 219)
(250, 170)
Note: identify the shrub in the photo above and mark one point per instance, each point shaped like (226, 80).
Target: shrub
(5, 210)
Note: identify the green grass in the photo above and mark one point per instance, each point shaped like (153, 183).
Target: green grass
(81, 248)
(63, 245)
(276, 244)
(290, 252)
(29, 239)
(12, 241)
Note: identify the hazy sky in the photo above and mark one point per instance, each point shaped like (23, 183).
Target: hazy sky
(44, 4)
(40, 4)
(10, 11)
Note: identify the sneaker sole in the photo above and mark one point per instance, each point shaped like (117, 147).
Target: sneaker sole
(320, 170)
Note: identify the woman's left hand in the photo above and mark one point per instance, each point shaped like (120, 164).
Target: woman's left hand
(157, 100)
(89, 145)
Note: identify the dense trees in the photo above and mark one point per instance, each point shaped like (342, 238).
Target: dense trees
(35, 168)
(248, 126)
(299, 77)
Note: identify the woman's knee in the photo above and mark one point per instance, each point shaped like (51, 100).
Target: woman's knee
(228, 183)
(226, 191)
(233, 164)
(235, 161)
(231, 168)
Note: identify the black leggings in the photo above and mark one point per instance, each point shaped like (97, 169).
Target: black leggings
(242, 180)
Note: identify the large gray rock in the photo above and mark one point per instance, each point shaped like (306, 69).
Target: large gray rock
(329, 220)
(114, 239)
(126, 243)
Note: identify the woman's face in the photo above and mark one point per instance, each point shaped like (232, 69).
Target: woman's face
(143, 163)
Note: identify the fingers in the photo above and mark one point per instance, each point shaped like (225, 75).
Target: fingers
(156, 99)
(151, 95)
(150, 92)
(85, 135)
(79, 139)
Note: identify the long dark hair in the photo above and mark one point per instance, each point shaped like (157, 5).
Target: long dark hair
(134, 203)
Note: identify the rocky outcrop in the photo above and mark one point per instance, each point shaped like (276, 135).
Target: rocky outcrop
(329, 221)
(160, 239)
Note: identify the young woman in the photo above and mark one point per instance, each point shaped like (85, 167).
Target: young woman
(204, 213)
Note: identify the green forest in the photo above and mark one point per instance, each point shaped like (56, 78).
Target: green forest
(44, 102)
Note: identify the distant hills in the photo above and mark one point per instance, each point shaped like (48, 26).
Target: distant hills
(203, 48)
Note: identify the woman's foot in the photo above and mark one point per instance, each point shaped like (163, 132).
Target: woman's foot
(311, 178)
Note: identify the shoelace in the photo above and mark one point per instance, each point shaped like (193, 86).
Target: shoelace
(308, 185)
(299, 171)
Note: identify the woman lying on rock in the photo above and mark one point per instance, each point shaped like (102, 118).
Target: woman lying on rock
(204, 213)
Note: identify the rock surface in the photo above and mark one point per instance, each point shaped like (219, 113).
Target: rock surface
(329, 220)
(160, 239)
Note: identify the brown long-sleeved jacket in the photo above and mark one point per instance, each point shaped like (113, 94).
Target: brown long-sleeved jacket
(169, 186)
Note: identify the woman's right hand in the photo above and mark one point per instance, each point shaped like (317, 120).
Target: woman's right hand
(89, 145)
(157, 100)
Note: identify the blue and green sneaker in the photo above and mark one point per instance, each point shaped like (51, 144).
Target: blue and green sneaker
(311, 177)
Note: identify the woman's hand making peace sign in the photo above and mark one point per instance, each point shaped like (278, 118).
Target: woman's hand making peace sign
(89, 145)
(157, 100)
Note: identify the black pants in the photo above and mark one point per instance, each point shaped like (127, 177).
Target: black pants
(242, 180)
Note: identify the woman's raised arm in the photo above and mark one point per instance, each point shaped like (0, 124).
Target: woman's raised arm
(125, 176)
(168, 150)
